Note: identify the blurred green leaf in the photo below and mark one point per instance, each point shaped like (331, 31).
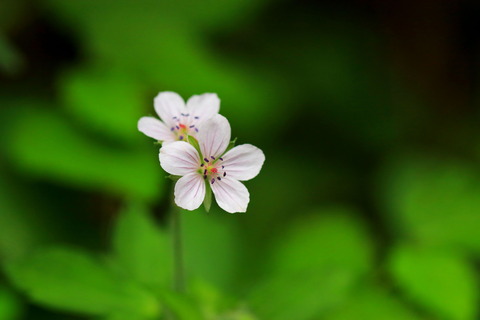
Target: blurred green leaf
(72, 280)
(217, 305)
(109, 101)
(172, 52)
(10, 306)
(10, 59)
(142, 248)
(370, 303)
(181, 306)
(435, 202)
(211, 245)
(315, 266)
(62, 153)
(441, 282)
(333, 237)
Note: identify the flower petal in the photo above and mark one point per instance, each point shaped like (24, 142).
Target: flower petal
(243, 162)
(214, 136)
(231, 195)
(168, 105)
(190, 191)
(179, 158)
(155, 129)
(203, 106)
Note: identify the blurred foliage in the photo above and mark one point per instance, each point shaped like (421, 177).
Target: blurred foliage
(367, 207)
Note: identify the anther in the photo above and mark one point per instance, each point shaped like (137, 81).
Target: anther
(201, 165)
(181, 137)
(204, 177)
(218, 178)
(213, 180)
(183, 114)
(197, 117)
(224, 174)
(192, 126)
(187, 114)
(172, 128)
(213, 158)
(178, 128)
(174, 118)
(205, 172)
(221, 158)
(206, 160)
(223, 167)
(196, 129)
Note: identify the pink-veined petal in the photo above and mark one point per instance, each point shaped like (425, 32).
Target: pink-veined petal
(203, 107)
(231, 195)
(214, 136)
(190, 191)
(243, 162)
(169, 105)
(179, 158)
(155, 129)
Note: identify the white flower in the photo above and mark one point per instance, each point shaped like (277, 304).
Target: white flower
(213, 168)
(178, 119)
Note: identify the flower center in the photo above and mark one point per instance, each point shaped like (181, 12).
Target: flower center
(212, 169)
(185, 125)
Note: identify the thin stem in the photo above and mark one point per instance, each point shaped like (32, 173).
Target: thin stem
(176, 232)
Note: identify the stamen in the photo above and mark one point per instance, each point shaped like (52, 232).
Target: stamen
(187, 114)
(192, 126)
(202, 164)
(181, 137)
(172, 128)
(196, 129)
(224, 174)
(178, 128)
(183, 114)
(213, 180)
(223, 167)
(204, 177)
(213, 158)
(174, 118)
(205, 172)
(221, 158)
(218, 178)
(206, 160)
(197, 117)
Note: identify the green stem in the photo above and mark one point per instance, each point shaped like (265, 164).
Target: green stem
(176, 232)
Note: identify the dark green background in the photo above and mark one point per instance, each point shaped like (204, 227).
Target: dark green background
(368, 204)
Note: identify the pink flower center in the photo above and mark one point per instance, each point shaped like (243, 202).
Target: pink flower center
(185, 125)
(212, 169)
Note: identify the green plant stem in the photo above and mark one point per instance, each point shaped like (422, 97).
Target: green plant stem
(176, 233)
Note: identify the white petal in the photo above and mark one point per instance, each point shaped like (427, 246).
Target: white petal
(203, 106)
(155, 129)
(231, 195)
(243, 162)
(168, 105)
(214, 136)
(190, 191)
(179, 158)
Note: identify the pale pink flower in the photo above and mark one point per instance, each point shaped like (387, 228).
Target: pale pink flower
(179, 119)
(213, 168)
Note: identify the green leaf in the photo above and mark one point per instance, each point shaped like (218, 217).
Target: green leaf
(142, 248)
(211, 247)
(314, 267)
(74, 281)
(10, 306)
(107, 100)
(433, 202)
(370, 303)
(195, 144)
(441, 282)
(181, 306)
(64, 154)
